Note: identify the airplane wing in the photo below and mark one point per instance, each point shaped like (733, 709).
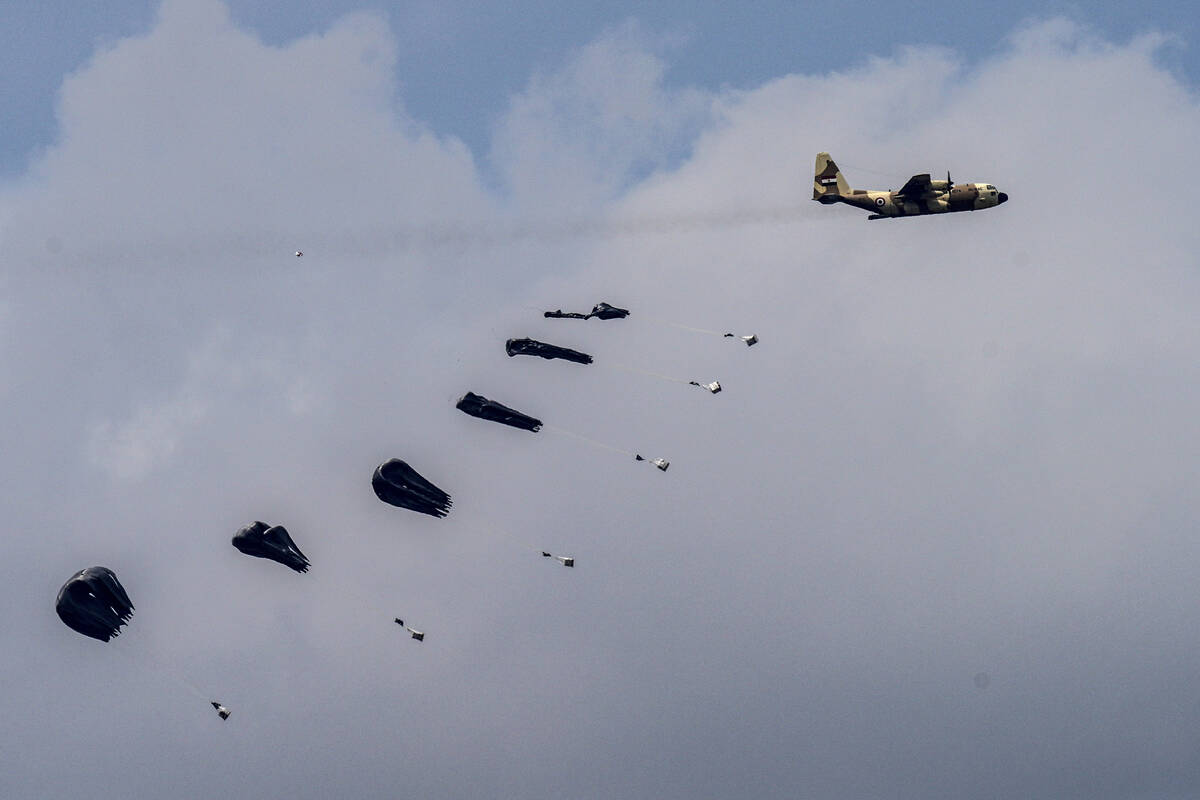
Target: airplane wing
(918, 186)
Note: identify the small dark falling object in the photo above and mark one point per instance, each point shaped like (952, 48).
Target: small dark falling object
(416, 634)
(661, 463)
(532, 347)
(266, 541)
(221, 710)
(479, 406)
(93, 602)
(398, 484)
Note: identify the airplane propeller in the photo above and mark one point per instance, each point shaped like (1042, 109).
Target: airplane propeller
(949, 183)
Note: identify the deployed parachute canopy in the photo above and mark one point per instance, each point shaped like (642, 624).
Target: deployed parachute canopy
(94, 603)
(479, 406)
(264, 541)
(599, 311)
(532, 347)
(605, 311)
(398, 484)
(416, 634)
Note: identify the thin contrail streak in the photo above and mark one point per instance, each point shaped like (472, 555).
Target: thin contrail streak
(434, 236)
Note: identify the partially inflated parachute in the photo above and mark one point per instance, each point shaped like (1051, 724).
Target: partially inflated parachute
(273, 542)
(398, 484)
(479, 406)
(532, 347)
(93, 602)
(599, 311)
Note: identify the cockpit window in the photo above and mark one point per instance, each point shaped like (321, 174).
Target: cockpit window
(991, 188)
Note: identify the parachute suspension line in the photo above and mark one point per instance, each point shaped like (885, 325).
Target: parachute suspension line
(413, 632)
(650, 374)
(372, 606)
(524, 544)
(661, 463)
(152, 664)
(512, 539)
(695, 330)
(714, 386)
(375, 604)
(749, 339)
(583, 438)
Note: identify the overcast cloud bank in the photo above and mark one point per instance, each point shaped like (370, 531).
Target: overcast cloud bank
(964, 445)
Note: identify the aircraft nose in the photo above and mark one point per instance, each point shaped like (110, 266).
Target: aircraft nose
(1002, 199)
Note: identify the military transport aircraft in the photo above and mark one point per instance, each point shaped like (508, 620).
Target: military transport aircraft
(919, 196)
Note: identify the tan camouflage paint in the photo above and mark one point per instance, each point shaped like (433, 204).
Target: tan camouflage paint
(935, 197)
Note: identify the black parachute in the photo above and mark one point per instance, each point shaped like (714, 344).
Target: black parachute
(599, 311)
(94, 603)
(479, 406)
(532, 347)
(398, 484)
(273, 542)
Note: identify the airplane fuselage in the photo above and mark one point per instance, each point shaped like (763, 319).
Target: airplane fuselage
(963, 197)
(920, 194)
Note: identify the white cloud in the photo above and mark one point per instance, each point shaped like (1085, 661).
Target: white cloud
(219, 382)
(254, 145)
(581, 135)
(964, 444)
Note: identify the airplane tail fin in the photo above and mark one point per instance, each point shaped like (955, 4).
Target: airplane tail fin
(828, 183)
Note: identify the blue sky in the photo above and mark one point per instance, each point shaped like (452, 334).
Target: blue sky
(459, 62)
(964, 445)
